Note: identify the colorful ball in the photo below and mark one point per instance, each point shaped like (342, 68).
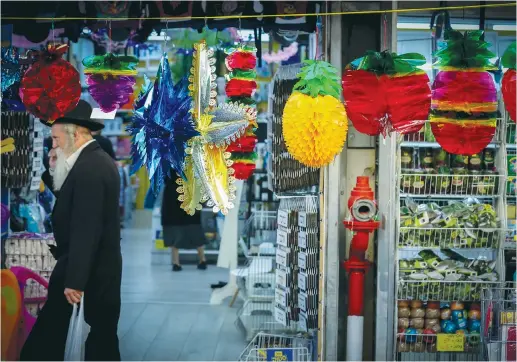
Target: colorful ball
(461, 323)
(448, 327)
(445, 314)
(474, 325)
(457, 306)
(411, 335)
(457, 314)
(474, 314)
(430, 335)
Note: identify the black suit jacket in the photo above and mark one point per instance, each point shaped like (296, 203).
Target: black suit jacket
(86, 223)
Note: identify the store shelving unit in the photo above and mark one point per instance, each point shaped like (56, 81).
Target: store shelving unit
(416, 235)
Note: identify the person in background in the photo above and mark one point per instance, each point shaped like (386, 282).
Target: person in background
(180, 230)
(105, 143)
(86, 224)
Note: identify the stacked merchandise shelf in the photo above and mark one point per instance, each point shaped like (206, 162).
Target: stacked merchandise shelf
(451, 232)
(297, 259)
(31, 251)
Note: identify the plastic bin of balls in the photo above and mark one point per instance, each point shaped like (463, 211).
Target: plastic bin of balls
(426, 326)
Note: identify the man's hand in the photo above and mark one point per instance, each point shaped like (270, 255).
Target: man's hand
(73, 296)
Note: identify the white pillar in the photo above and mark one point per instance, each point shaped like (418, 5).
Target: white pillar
(228, 249)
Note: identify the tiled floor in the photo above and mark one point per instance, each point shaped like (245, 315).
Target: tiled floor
(167, 316)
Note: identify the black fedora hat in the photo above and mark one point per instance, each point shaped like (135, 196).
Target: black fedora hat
(79, 116)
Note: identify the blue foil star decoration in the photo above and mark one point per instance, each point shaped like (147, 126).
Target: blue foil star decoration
(161, 126)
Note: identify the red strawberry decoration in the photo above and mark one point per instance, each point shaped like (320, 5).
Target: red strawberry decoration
(50, 88)
(386, 92)
(509, 85)
(240, 88)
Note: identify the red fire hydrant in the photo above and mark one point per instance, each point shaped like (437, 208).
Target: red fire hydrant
(363, 211)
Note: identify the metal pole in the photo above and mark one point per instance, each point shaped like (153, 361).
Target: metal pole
(333, 191)
(385, 305)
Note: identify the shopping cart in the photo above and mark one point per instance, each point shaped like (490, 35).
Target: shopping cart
(499, 323)
(276, 347)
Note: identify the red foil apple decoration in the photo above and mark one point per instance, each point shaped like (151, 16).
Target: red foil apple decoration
(51, 87)
(386, 92)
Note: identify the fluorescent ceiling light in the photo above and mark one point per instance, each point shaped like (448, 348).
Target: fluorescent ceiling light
(412, 26)
(247, 34)
(504, 27)
(422, 26)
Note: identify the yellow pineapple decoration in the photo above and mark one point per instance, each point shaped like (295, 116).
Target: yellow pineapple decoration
(314, 122)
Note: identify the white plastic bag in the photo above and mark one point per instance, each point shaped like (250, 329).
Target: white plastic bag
(77, 333)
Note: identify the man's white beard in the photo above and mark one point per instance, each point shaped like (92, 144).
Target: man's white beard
(61, 171)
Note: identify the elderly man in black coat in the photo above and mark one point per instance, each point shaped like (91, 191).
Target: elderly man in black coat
(86, 226)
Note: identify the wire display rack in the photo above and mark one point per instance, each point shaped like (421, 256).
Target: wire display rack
(427, 290)
(452, 186)
(449, 238)
(277, 347)
(424, 347)
(256, 280)
(499, 323)
(455, 239)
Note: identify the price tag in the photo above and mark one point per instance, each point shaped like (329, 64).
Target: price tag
(302, 321)
(281, 237)
(36, 164)
(282, 218)
(281, 297)
(450, 342)
(281, 257)
(35, 183)
(38, 126)
(281, 278)
(302, 260)
(302, 219)
(302, 239)
(37, 145)
(302, 301)
(508, 317)
(280, 316)
(302, 281)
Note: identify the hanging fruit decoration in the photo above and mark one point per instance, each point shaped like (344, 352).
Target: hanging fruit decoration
(464, 100)
(314, 122)
(209, 175)
(161, 126)
(508, 86)
(240, 88)
(386, 92)
(110, 79)
(50, 88)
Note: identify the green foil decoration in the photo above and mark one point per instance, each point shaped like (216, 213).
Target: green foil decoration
(318, 78)
(465, 51)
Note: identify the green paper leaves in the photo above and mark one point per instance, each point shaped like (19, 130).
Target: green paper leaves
(508, 59)
(465, 51)
(243, 74)
(318, 78)
(110, 61)
(389, 63)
